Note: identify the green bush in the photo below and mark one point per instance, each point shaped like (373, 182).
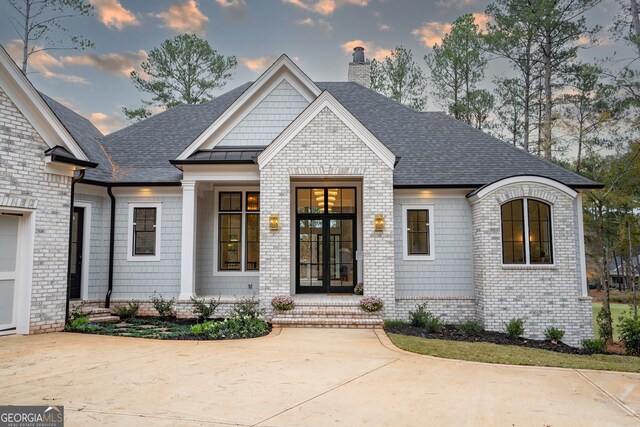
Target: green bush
(604, 329)
(81, 324)
(204, 310)
(515, 328)
(163, 306)
(247, 307)
(553, 334)
(128, 310)
(425, 319)
(629, 327)
(233, 327)
(470, 328)
(395, 323)
(596, 345)
(77, 311)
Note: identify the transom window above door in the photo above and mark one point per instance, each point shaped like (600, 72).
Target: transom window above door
(326, 200)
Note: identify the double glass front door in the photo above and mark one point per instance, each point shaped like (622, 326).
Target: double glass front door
(325, 240)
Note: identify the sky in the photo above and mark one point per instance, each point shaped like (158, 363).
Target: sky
(318, 34)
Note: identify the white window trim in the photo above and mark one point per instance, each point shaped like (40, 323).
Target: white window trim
(527, 264)
(138, 258)
(405, 228)
(216, 243)
(86, 248)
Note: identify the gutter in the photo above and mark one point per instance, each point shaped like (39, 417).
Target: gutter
(112, 231)
(74, 180)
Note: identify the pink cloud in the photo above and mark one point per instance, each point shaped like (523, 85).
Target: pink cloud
(184, 18)
(111, 63)
(106, 123)
(431, 33)
(112, 14)
(325, 7)
(258, 64)
(370, 50)
(42, 62)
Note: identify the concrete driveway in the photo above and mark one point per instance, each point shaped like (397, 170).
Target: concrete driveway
(298, 377)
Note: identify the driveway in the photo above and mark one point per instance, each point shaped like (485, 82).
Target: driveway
(298, 377)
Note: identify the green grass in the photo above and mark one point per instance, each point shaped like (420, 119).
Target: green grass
(616, 313)
(513, 355)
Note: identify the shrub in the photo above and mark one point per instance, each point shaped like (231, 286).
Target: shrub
(371, 304)
(77, 311)
(629, 327)
(233, 327)
(425, 319)
(163, 306)
(596, 345)
(247, 307)
(470, 328)
(515, 328)
(81, 324)
(283, 302)
(553, 334)
(128, 310)
(358, 289)
(204, 310)
(604, 329)
(395, 323)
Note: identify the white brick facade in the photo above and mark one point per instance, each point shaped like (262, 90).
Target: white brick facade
(543, 295)
(25, 184)
(326, 147)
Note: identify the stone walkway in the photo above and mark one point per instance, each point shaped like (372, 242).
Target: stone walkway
(298, 377)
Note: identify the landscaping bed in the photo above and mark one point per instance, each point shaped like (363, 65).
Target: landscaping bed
(452, 333)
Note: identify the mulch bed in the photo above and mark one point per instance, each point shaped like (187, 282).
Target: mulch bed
(451, 333)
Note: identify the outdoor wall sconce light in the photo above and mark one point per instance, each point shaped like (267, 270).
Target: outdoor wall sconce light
(378, 223)
(274, 222)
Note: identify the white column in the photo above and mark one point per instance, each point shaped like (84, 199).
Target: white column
(187, 270)
(581, 250)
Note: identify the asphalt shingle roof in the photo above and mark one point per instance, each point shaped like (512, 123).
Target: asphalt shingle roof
(434, 150)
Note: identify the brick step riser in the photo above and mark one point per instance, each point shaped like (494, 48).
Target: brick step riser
(328, 320)
(346, 326)
(358, 313)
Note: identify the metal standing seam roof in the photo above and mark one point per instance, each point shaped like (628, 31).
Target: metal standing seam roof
(434, 149)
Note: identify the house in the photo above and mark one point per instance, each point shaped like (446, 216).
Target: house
(286, 186)
(619, 273)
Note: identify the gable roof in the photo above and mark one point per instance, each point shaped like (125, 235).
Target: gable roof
(436, 150)
(31, 104)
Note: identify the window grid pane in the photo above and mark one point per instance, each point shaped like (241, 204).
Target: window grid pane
(230, 241)
(253, 201)
(252, 256)
(230, 201)
(539, 232)
(513, 232)
(144, 231)
(418, 232)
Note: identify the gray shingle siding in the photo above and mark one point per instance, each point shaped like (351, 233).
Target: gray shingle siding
(98, 246)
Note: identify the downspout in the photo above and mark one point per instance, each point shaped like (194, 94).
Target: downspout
(74, 180)
(112, 233)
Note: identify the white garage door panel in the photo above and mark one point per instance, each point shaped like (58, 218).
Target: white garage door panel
(8, 251)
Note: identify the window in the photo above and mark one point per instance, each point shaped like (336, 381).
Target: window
(526, 217)
(238, 231)
(144, 235)
(418, 238)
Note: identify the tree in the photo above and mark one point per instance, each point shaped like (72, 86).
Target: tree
(586, 110)
(400, 78)
(478, 107)
(37, 21)
(511, 35)
(510, 109)
(457, 66)
(626, 25)
(183, 70)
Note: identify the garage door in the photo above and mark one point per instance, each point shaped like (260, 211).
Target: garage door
(8, 250)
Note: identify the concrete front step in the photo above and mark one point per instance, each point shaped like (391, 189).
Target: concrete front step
(327, 311)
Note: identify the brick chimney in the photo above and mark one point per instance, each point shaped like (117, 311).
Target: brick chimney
(359, 68)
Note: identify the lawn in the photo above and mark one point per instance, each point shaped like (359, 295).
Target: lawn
(616, 313)
(513, 355)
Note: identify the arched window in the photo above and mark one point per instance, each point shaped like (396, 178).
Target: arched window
(531, 218)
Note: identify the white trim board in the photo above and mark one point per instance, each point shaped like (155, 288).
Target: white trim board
(326, 100)
(405, 229)
(282, 69)
(523, 180)
(143, 258)
(34, 108)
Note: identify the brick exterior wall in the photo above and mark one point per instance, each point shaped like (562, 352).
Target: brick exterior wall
(543, 295)
(25, 184)
(360, 73)
(326, 146)
(451, 309)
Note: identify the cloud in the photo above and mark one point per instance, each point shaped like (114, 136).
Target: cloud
(184, 18)
(431, 33)
(370, 49)
(321, 24)
(481, 20)
(112, 14)
(325, 7)
(383, 27)
(118, 64)
(42, 62)
(258, 64)
(106, 123)
(458, 4)
(232, 4)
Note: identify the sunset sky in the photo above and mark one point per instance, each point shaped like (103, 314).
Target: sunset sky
(318, 34)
